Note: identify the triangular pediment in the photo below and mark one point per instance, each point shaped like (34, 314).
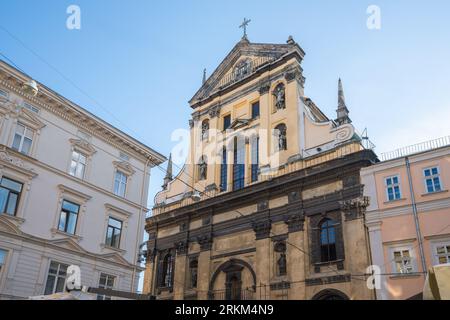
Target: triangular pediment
(69, 244)
(239, 123)
(115, 257)
(9, 226)
(30, 119)
(243, 60)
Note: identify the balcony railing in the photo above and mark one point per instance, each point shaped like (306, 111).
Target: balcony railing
(416, 148)
(234, 295)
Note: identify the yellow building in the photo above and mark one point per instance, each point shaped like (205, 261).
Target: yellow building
(269, 203)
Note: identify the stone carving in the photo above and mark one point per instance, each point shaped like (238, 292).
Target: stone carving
(205, 130)
(203, 169)
(262, 229)
(293, 196)
(295, 222)
(279, 94)
(205, 242)
(181, 247)
(14, 161)
(214, 111)
(263, 205)
(282, 264)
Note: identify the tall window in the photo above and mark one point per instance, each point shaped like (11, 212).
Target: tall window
(402, 261)
(193, 270)
(238, 165)
(393, 188)
(224, 171)
(2, 259)
(106, 282)
(443, 253)
(113, 233)
(23, 139)
(255, 158)
(56, 278)
(78, 164)
(226, 122)
(68, 217)
(167, 271)
(432, 179)
(281, 137)
(328, 240)
(9, 195)
(255, 110)
(120, 183)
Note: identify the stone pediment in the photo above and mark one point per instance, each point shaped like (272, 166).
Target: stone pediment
(69, 244)
(10, 224)
(30, 119)
(244, 60)
(239, 123)
(115, 257)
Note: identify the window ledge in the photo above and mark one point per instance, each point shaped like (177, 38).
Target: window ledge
(121, 251)
(394, 201)
(433, 193)
(14, 218)
(405, 276)
(320, 264)
(73, 236)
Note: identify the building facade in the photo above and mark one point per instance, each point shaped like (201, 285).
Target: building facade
(73, 191)
(409, 216)
(269, 203)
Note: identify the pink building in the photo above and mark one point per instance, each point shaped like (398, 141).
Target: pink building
(408, 219)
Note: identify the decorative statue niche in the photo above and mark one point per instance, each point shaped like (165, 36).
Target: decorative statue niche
(205, 129)
(279, 94)
(203, 168)
(280, 258)
(281, 135)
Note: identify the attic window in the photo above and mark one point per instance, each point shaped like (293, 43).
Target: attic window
(30, 107)
(242, 69)
(3, 94)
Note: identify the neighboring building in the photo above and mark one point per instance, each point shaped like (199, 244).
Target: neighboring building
(269, 203)
(73, 190)
(411, 182)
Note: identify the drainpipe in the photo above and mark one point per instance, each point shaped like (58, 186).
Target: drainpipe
(141, 209)
(416, 217)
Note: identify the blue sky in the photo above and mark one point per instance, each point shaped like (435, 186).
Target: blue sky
(143, 60)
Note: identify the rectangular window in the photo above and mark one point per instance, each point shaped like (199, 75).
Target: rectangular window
(403, 262)
(3, 254)
(432, 180)
(255, 110)
(3, 94)
(10, 191)
(255, 159)
(68, 217)
(113, 233)
(443, 253)
(239, 165)
(224, 171)
(106, 282)
(393, 188)
(226, 122)
(78, 164)
(120, 183)
(23, 139)
(30, 107)
(56, 278)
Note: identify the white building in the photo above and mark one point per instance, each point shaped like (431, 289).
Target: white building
(73, 190)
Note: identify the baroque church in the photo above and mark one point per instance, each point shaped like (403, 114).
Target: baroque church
(269, 203)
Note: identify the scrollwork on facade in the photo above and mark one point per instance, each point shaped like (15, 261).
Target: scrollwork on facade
(214, 111)
(205, 242)
(262, 229)
(354, 208)
(181, 247)
(295, 222)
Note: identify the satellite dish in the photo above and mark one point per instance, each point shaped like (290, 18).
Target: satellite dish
(31, 88)
(196, 196)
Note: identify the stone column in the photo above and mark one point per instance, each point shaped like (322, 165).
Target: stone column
(179, 283)
(377, 252)
(204, 267)
(263, 259)
(149, 274)
(296, 257)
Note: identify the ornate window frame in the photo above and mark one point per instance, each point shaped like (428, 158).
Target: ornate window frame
(127, 169)
(87, 150)
(122, 215)
(30, 120)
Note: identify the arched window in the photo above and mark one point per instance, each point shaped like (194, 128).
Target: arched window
(281, 137)
(279, 96)
(328, 240)
(193, 269)
(202, 168)
(205, 129)
(167, 271)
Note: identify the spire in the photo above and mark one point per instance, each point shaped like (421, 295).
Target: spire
(342, 111)
(168, 176)
(204, 76)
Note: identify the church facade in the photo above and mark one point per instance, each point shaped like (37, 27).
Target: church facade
(269, 204)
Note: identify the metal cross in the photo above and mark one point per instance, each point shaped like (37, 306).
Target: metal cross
(244, 26)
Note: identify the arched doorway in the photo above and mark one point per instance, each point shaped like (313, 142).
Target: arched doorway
(330, 294)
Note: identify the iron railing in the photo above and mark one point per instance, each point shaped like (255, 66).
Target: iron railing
(232, 294)
(416, 148)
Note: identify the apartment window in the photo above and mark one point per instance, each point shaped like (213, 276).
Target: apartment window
(255, 159)
(226, 122)
(10, 191)
(78, 164)
(3, 94)
(68, 217)
(432, 179)
(23, 139)
(328, 240)
(120, 183)
(238, 165)
(106, 282)
(56, 278)
(393, 188)
(30, 107)
(403, 261)
(442, 253)
(255, 110)
(113, 233)
(224, 171)
(3, 254)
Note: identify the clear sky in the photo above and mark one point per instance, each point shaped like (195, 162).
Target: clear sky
(143, 59)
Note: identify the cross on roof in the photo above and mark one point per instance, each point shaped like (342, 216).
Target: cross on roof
(244, 26)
